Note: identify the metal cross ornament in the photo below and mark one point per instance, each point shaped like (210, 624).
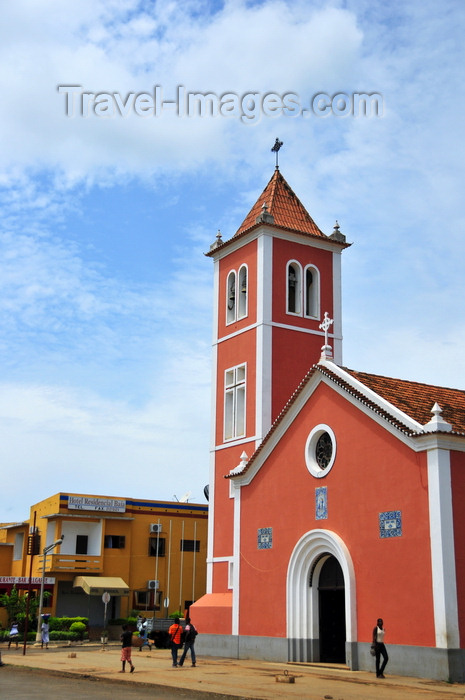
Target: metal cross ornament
(325, 324)
(275, 149)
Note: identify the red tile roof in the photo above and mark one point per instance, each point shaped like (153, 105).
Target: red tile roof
(412, 398)
(284, 205)
(417, 399)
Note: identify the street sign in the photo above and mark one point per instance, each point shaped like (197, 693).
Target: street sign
(106, 597)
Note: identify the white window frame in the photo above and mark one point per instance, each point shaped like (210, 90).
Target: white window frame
(298, 288)
(234, 422)
(310, 459)
(315, 302)
(236, 298)
(231, 297)
(241, 295)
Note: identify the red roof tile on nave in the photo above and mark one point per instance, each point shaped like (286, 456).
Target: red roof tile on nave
(417, 399)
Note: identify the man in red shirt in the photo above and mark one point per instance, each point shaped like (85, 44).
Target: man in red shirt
(175, 632)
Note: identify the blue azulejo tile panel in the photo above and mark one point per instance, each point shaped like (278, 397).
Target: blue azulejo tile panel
(265, 537)
(321, 503)
(390, 524)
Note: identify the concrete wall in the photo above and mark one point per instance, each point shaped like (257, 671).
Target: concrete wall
(418, 662)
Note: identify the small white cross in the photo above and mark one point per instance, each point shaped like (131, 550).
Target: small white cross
(325, 324)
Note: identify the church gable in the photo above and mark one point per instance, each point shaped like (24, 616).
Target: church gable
(403, 407)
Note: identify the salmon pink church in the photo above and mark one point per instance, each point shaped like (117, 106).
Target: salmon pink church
(336, 496)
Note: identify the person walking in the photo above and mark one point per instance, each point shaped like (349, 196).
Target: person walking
(380, 649)
(45, 631)
(13, 635)
(189, 641)
(175, 632)
(143, 632)
(126, 644)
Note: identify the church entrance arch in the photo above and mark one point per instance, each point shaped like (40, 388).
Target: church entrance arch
(321, 600)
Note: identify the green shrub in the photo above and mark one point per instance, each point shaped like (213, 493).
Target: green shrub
(64, 623)
(120, 621)
(64, 636)
(176, 614)
(79, 628)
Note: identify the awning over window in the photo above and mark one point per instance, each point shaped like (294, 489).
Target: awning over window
(97, 585)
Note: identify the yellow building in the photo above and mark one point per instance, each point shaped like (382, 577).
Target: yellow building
(150, 556)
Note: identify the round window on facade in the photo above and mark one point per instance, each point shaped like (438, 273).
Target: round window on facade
(320, 450)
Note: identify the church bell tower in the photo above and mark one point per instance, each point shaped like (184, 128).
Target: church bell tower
(274, 279)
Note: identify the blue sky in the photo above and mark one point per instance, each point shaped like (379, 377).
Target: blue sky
(106, 296)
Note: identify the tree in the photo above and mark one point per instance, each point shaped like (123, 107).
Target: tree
(16, 605)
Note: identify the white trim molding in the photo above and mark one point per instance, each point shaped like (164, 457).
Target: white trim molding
(442, 550)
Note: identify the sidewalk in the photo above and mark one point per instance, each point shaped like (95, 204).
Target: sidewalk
(230, 677)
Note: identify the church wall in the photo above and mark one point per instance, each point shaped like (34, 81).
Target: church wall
(220, 576)
(223, 541)
(373, 473)
(238, 350)
(457, 460)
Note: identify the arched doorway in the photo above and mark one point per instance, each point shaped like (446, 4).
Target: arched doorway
(337, 598)
(331, 605)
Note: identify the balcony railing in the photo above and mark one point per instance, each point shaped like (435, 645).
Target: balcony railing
(73, 562)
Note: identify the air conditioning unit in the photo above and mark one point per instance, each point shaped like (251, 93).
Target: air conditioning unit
(153, 584)
(155, 527)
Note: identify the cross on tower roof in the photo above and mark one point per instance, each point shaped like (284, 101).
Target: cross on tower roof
(275, 149)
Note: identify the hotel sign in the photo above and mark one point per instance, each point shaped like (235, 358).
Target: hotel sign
(19, 580)
(109, 505)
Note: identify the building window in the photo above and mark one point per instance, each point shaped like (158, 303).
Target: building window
(312, 292)
(236, 295)
(234, 403)
(190, 546)
(18, 547)
(114, 542)
(294, 288)
(231, 298)
(230, 574)
(303, 293)
(81, 544)
(242, 291)
(320, 451)
(157, 546)
(147, 600)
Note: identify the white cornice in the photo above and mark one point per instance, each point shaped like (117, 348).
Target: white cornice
(235, 243)
(286, 326)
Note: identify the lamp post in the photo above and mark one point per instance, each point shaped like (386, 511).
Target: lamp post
(46, 550)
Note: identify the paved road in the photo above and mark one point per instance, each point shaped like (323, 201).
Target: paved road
(88, 671)
(26, 684)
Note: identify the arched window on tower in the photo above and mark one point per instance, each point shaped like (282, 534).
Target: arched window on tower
(242, 292)
(231, 298)
(294, 288)
(312, 292)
